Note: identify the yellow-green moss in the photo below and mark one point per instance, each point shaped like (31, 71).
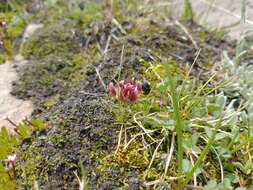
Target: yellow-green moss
(55, 39)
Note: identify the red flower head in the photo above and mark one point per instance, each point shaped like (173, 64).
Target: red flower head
(112, 89)
(126, 92)
(121, 83)
(133, 95)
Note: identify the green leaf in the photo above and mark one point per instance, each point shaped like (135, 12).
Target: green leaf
(241, 188)
(221, 100)
(226, 185)
(250, 117)
(164, 86)
(232, 177)
(212, 185)
(16, 27)
(188, 12)
(245, 168)
(187, 166)
(244, 117)
(169, 124)
(4, 135)
(38, 125)
(224, 153)
(208, 132)
(220, 136)
(194, 138)
(24, 131)
(212, 108)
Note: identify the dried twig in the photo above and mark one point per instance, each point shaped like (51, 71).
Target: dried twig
(195, 60)
(119, 26)
(142, 127)
(121, 62)
(135, 136)
(100, 78)
(187, 33)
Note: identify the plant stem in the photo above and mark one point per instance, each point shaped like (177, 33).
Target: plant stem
(179, 126)
(233, 140)
(203, 153)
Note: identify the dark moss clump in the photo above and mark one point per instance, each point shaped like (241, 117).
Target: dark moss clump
(76, 135)
(47, 78)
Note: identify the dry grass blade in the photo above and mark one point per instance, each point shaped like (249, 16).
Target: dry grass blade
(159, 181)
(119, 140)
(142, 127)
(135, 136)
(154, 154)
(194, 62)
(100, 78)
(194, 175)
(107, 44)
(170, 154)
(36, 185)
(187, 33)
(122, 30)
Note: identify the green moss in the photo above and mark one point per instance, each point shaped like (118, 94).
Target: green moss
(50, 102)
(52, 75)
(58, 141)
(78, 60)
(2, 58)
(55, 39)
(30, 170)
(16, 27)
(92, 11)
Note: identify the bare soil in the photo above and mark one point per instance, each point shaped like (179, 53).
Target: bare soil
(16, 109)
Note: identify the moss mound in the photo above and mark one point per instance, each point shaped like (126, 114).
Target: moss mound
(83, 128)
(61, 79)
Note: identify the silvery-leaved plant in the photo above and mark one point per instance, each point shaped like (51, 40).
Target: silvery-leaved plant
(240, 85)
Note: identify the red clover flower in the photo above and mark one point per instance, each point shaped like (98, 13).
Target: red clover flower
(126, 92)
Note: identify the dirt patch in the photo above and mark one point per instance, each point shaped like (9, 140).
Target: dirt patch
(14, 108)
(11, 106)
